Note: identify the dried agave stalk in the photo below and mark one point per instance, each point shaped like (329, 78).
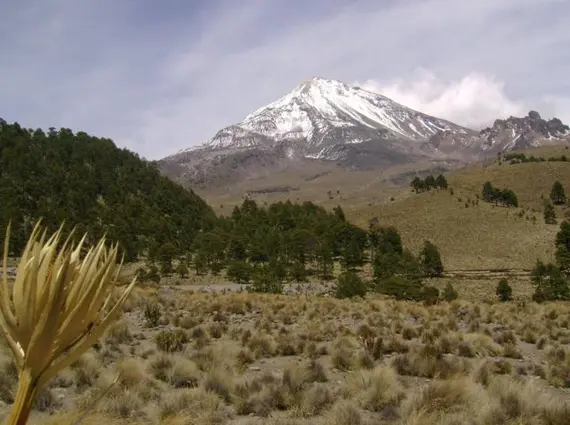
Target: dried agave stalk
(58, 307)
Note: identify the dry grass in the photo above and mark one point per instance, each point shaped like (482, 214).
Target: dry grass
(478, 235)
(451, 363)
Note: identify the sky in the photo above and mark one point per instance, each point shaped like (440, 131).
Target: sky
(158, 77)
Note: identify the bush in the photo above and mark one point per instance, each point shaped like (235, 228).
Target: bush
(182, 269)
(349, 285)
(152, 314)
(401, 288)
(504, 291)
(171, 341)
(239, 272)
(265, 281)
(449, 293)
(430, 295)
(153, 274)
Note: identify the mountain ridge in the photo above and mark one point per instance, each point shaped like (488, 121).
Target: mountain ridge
(328, 120)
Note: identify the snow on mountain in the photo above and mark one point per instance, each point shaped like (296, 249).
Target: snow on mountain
(315, 112)
(327, 120)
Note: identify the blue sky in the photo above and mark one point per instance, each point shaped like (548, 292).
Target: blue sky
(158, 77)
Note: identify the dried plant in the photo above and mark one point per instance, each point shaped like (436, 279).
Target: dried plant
(57, 308)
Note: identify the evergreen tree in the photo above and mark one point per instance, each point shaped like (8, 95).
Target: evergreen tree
(324, 259)
(557, 194)
(488, 192)
(441, 182)
(339, 213)
(562, 244)
(504, 291)
(264, 281)
(349, 285)
(430, 183)
(430, 260)
(182, 269)
(417, 185)
(549, 282)
(549, 214)
(239, 272)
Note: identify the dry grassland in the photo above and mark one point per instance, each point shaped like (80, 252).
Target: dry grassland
(189, 357)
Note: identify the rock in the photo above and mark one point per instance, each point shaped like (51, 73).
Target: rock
(534, 115)
(254, 368)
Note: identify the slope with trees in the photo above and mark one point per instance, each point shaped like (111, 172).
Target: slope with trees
(88, 182)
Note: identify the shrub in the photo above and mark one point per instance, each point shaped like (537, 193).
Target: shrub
(265, 282)
(349, 285)
(449, 293)
(401, 288)
(504, 291)
(171, 341)
(152, 314)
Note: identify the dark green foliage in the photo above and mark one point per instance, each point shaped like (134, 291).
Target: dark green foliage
(182, 269)
(441, 182)
(298, 272)
(549, 214)
(449, 293)
(401, 288)
(265, 281)
(550, 283)
(430, 295)
(429, 183)
(519, 158)
(92, 184)
(239, 272)
(504, 291)
(430, 260)
(557, 194)
(562, 243)
(349, 285)
(506, 197)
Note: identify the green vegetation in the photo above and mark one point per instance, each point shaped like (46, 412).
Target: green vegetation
(557, 194)
(504, 291)
(506, 197)
(429, 183)
(90, 183)
(549, 214)
(520, 158)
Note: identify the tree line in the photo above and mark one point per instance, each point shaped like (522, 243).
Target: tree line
(506, 197)
(429, 183)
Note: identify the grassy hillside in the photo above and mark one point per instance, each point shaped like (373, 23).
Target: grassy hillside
(481, 235)
(473, 236)
(89, 182)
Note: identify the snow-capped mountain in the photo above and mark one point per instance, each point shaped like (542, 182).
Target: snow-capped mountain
(323, 112)
(328, 120)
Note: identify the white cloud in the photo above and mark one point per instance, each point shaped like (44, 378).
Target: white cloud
(474, 100)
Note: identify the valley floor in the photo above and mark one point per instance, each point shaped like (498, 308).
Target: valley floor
(219, 357)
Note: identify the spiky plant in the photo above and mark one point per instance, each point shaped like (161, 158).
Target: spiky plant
(58, 306)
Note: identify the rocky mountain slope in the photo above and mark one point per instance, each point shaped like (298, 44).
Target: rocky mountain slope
(327, 120)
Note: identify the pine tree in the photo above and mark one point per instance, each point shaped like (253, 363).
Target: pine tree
(430, 260)
(549, 214)
(562, 244)
(430, 183)
(441, 182)
(504, 291)
(488, 192)
(549, 282)
(557, 194)
(349, 285)
(239, 272)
